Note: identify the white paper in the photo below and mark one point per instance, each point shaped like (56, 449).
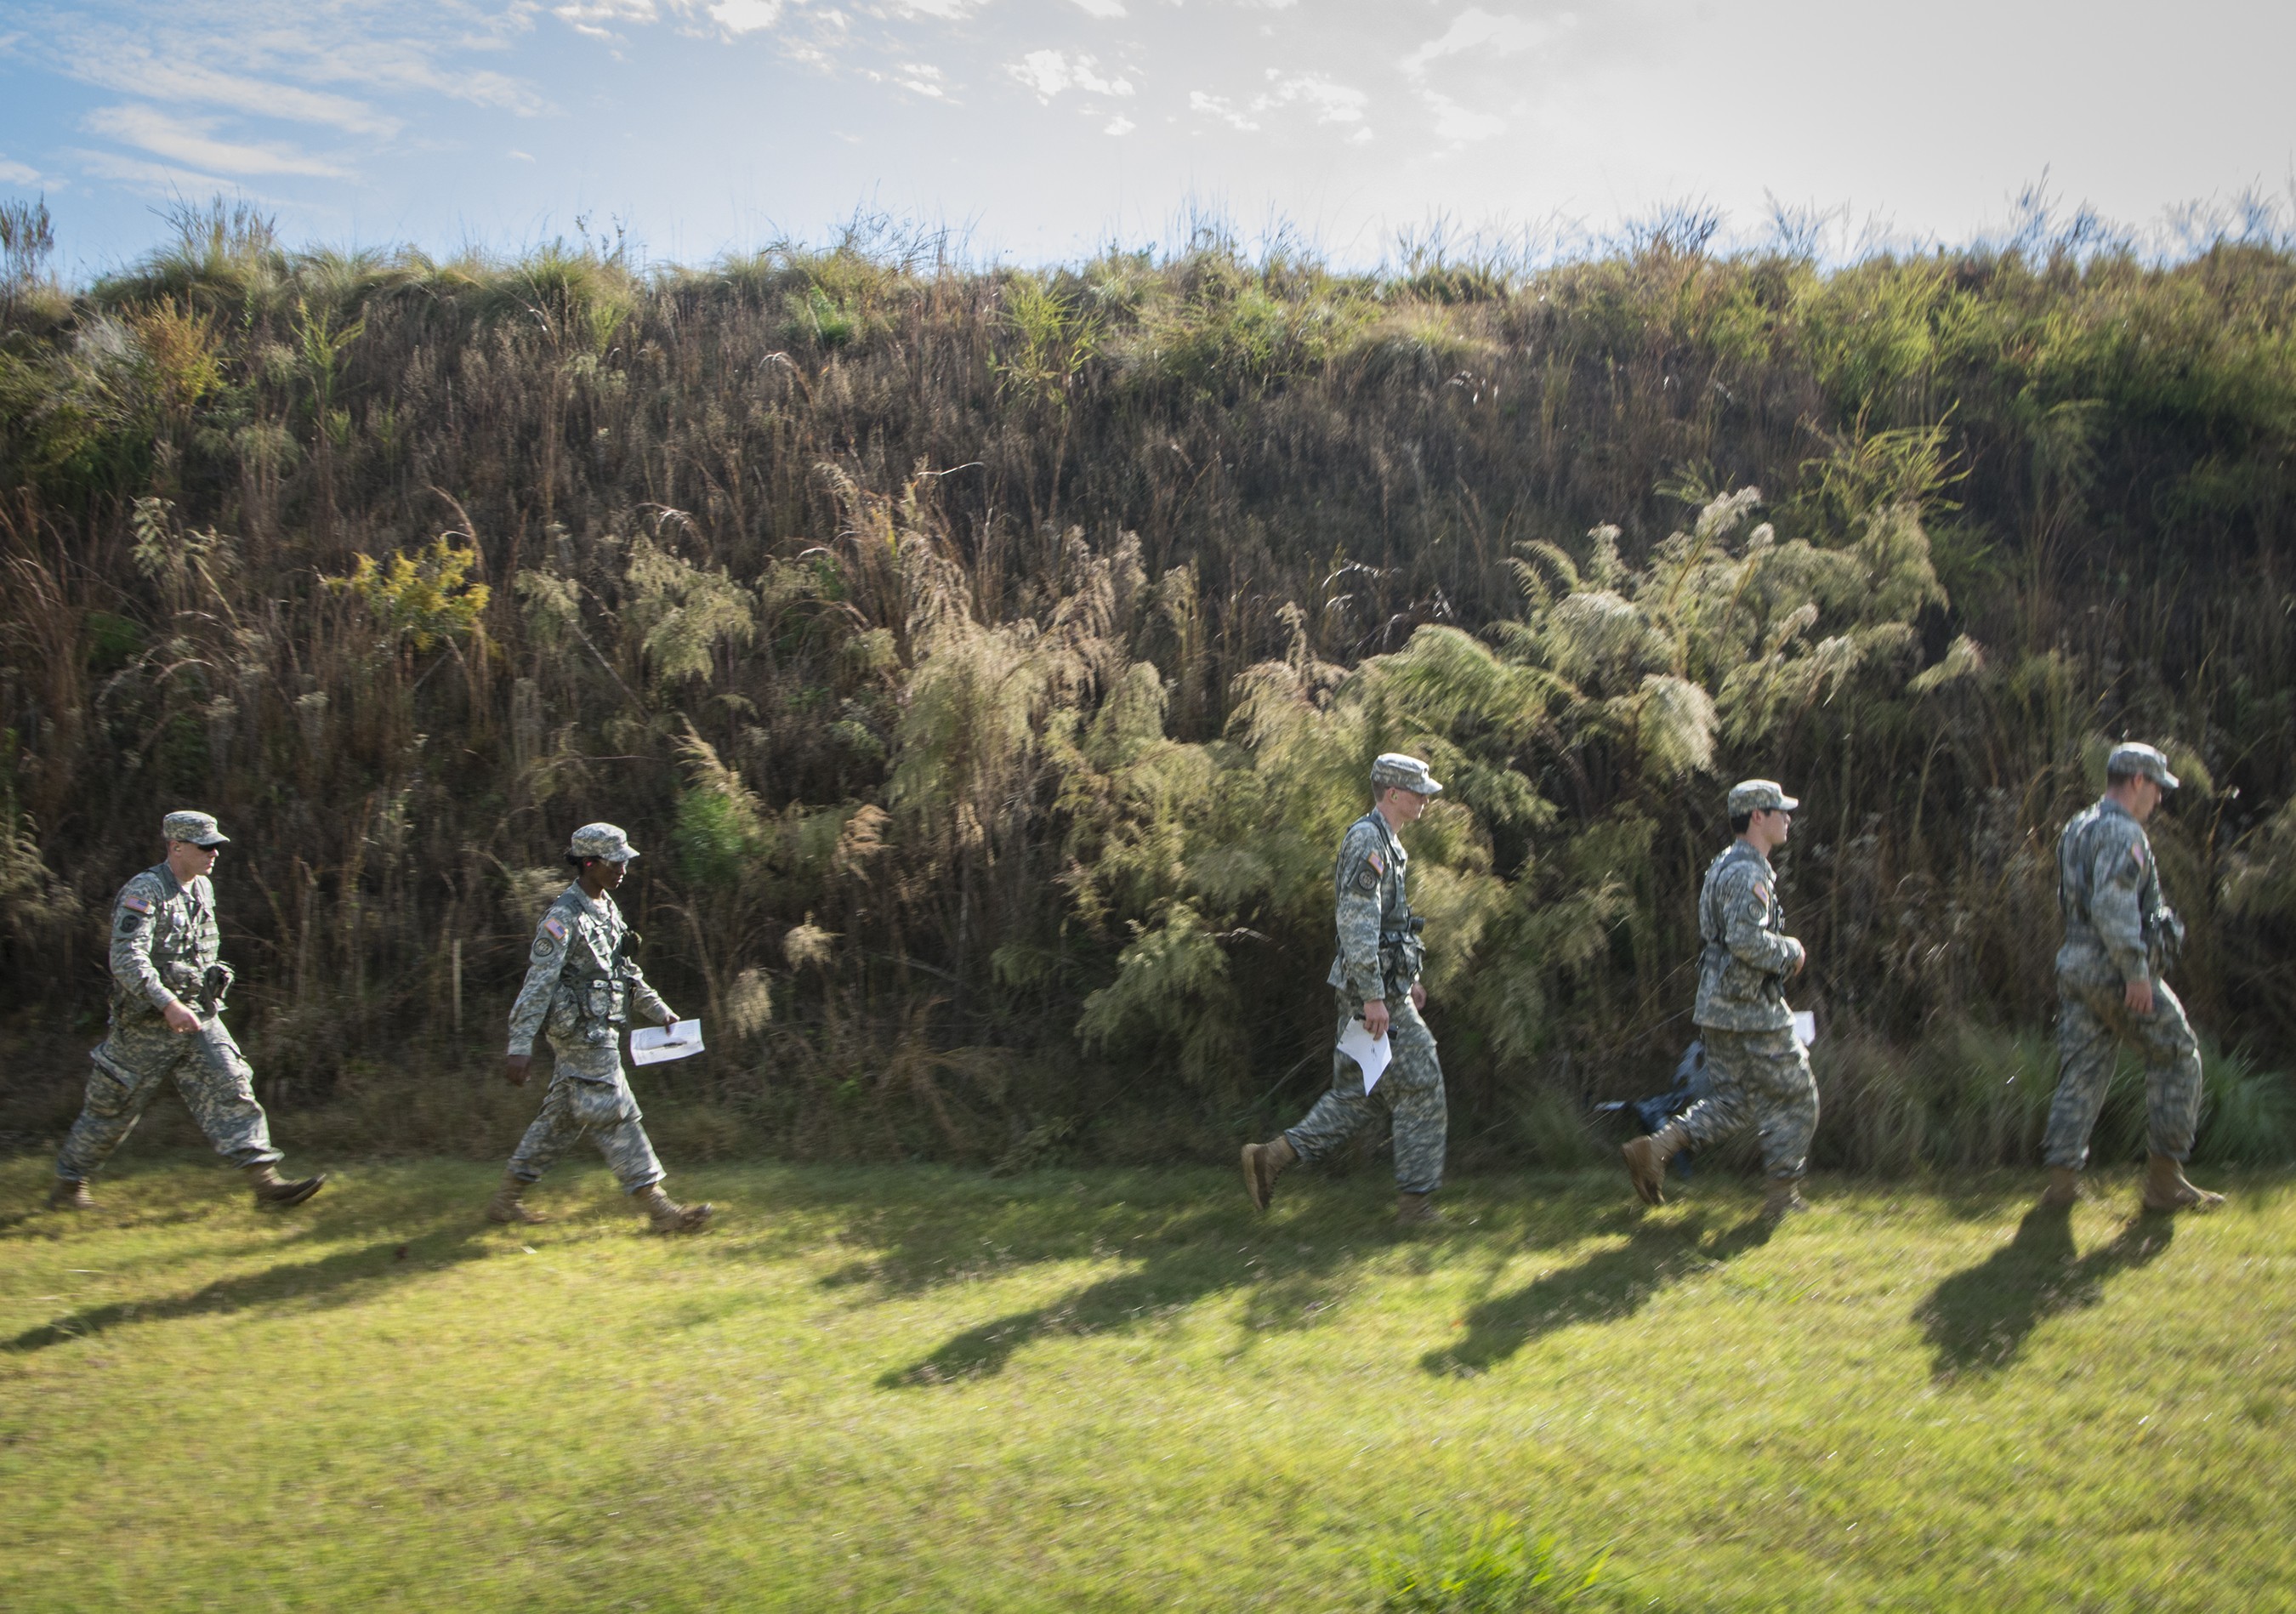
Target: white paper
(1805, 1026)
(1369, 1053)
(651, 1044)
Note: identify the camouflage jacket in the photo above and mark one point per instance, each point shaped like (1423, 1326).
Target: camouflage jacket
(1748, 956)
(1379, 949)
(580, 976)
(164, 936)
(2109, 892)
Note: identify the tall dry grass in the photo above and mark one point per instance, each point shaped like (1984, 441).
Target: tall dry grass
(988, 660)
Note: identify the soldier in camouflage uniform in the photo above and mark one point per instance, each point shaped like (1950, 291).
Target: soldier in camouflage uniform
(1375, 979)
(2119, 935)
(1760, 1069)
(581, 980)
(167, 983)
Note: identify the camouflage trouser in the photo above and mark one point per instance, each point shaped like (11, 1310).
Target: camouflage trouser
(1760, 1078)
(208, 1070)
(588, 1093)
(1410, 1091)
(2091, 1018)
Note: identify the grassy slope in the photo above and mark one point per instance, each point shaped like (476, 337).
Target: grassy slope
(924, 1389)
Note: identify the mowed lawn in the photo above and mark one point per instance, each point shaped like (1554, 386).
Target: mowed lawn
(923, 1388)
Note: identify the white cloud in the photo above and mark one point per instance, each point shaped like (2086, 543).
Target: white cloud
(17, 174)
(920, 78)
(189, 141)
(1333, 102)
(138, 72)
(948, 10)
(1478, 30)
(591, 16)
(522, 156)
(285, 58)
(1103, 9)
(1462, 124)
(745, 16)
(1119, 124)
(157, 179)
(1219, 107)
(1050, 72)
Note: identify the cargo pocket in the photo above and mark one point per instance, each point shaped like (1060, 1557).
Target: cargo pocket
(598, 1103)
(109, 1092)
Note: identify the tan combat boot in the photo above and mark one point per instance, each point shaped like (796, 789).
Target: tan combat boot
(1416, 1209)
(667, 1215)
(70, 1193)
(504, 1206)
(1263, 1163)
(271, 1189)
(1646, 1158)
(2064, 1187)
(1783, 1199)
(2166, 1189)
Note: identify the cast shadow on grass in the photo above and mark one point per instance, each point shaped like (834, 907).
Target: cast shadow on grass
(340, 1279)
(1978, 1321)
(1291, 1268)
(1607, 1286)
(1288, 1280)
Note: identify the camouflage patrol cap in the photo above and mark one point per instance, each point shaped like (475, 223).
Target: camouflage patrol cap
(605, 841)
(1760, 795)
(1393, 768)
(2137, 760)
(198, 828)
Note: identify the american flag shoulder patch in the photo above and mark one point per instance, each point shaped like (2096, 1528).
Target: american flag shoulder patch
(1378, 866)
(555, 927)
(141, 904)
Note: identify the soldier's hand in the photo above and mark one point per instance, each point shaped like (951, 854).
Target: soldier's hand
(1375, 1016)
(1418, 995)
(668, 1019)
(180, 1020)
(2138, 995)
(515, 1067)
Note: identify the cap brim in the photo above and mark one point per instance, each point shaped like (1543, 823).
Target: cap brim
(2168, 781)
(1787, 804)
(207, 840)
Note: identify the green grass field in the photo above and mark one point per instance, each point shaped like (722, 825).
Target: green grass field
(927, 1389)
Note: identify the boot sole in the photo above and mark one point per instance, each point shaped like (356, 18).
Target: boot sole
(286, 1201)
(694, 1221)
(2204, 1204)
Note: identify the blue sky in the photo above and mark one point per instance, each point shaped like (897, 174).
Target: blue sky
(1040, 129)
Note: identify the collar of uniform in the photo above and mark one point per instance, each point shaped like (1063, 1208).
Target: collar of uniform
(186, 887)
(2111, 804)
(1394, 841)
(1751, 850)
(598, 907)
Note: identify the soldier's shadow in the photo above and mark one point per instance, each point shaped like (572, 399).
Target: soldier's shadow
(1607, 1286)
(1978, 1321)
(340, 1279)
(1292, 1270)
(1192, 1260)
